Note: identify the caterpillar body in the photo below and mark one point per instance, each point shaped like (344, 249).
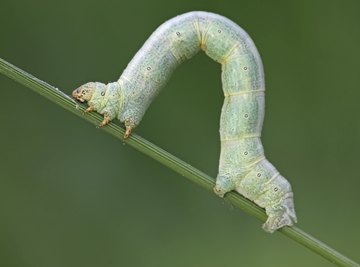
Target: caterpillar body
(243, 166)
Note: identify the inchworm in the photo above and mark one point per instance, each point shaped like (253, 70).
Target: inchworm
(243, 166)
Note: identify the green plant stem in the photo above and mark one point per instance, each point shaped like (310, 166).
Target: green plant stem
(170, 161)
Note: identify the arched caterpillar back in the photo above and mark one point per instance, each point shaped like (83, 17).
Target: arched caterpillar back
(243, 166)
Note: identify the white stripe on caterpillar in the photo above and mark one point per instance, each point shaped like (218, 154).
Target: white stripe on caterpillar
(243, 92)
(243, 166)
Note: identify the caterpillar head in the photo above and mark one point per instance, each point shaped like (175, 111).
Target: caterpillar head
(85, 92)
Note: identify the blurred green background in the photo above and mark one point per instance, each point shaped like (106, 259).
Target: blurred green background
(72, 195)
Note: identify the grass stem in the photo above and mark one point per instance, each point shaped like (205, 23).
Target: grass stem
(170, 161)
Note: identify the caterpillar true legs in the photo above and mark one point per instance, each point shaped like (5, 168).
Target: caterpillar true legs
(243, 166)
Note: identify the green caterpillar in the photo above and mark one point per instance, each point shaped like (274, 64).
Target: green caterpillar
(243, 166)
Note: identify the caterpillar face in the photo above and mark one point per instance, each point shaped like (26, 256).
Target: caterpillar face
(84, 92)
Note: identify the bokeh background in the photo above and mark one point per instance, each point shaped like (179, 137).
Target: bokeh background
(72, 195)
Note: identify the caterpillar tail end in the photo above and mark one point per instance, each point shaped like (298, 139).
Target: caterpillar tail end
(280, 215)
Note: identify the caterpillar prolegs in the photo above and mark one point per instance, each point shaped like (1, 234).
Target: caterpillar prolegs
(243, 166)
